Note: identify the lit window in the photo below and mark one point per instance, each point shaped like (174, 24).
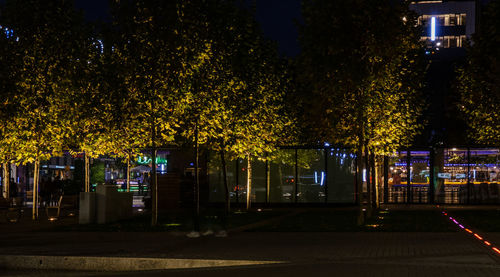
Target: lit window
(453, 20)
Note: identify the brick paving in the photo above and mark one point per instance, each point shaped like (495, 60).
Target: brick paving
(304, 253)
(402, 253)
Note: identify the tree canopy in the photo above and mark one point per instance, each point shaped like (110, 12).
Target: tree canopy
(360, 74)
(479, 80)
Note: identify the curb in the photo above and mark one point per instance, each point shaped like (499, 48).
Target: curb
(81, 263)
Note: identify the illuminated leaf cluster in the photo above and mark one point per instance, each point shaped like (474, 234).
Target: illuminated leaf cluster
(479, 80)
(360, 73)
(159, 67)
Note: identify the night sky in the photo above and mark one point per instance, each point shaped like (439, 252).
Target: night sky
(277, 18)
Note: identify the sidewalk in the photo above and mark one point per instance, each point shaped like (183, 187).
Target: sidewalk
(247, 253)
(391, 249)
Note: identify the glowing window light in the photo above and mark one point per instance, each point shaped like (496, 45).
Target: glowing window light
(433, 28)
(364, 175)
(322, 178)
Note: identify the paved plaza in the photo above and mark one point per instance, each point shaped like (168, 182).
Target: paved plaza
(346, 254)
(272, 253)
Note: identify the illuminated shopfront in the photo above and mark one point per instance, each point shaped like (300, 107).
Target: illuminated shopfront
(445, 175)
(328, 175)
(419, 174)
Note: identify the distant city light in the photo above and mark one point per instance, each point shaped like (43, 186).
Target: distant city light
(101, 46)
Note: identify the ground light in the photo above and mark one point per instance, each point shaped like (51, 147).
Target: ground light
(476, 236)
(172, 224)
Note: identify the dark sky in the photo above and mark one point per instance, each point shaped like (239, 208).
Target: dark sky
(276, 17)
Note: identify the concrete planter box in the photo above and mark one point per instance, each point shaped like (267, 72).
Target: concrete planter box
(105, 205)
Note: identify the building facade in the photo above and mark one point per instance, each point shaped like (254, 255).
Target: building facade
(446, 24)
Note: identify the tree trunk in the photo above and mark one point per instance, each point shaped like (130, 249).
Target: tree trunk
(227, 206)
(128, 173)
(153, 183)
(380, 175)
(154, 188)
(249, 181)
(296, 177)
(359, 178)
(408, 177)
(374, 180)
(87, 172)
(36, 176)
(6, 180)
(237, 181)
(196, 187)
(368, 181)
(280, 174)
(268, 182)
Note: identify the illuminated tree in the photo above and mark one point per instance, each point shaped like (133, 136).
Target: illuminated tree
(45, 53)
(86, 98)
(360, 75)
(233, 90)
(8, 144)
(479, 80)
(152, 65)
(254, 121)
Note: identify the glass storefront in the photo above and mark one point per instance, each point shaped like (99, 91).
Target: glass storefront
(451, 175)
(397, 178)
(282, 177)
(341, 176)
(441, 175)
(259, 182)
(419, 176)
(484, 175)
(311, 175)
(293, 175)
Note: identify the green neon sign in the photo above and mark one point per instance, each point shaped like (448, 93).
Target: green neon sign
(147, 160)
